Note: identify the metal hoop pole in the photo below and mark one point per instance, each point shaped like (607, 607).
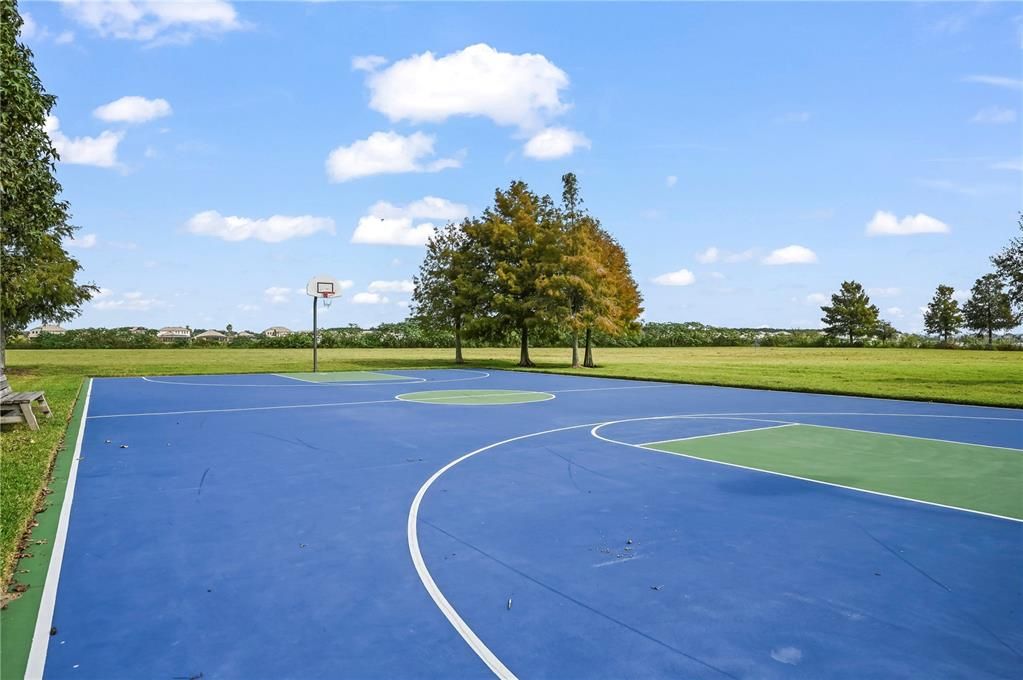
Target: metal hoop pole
(314, 333)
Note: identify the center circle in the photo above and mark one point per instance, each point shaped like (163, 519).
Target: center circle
(475, 397)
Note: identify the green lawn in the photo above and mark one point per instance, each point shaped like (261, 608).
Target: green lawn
(991, 378)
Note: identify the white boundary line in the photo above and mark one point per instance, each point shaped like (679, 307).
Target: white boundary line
(669, 383)
(595, 433)
(716, 434)
(390, 380)
(498, 393)
(911, 436)
(243, 409)
(44, 619)
(309, 383)
(457, 622)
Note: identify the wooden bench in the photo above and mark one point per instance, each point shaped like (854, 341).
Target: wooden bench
(16, 407)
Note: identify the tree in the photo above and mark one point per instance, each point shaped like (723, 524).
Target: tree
(38, 274)
(451, 284)
(989, 308)
(581, 271)
(1009, 265)
(850, 313)
(942, 316)
(885, 332)
(520, 237)
(621, 301)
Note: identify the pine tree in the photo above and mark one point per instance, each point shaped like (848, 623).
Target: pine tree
(38, 274)
(850, 313)
(942, 316)
(989, 308)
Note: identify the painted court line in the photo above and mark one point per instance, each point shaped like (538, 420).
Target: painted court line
(481, 375)
(390, 380)
(509, 393)
(595, 432)
(44, 619)
(910, 436)
(717, 434)
(240, 410)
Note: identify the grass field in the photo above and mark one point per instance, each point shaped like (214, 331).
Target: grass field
(973, 377)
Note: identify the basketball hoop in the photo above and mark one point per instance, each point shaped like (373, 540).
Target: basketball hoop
(324, 288)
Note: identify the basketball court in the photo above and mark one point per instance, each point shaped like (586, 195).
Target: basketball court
(465, 524)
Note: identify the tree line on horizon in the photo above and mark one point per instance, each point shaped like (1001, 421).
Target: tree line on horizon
(527, 264)
(995, 304)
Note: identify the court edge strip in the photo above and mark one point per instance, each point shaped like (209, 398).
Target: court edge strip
(595, 433)
(41, 637)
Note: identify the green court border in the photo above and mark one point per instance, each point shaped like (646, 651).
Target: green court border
(475, 394)
(18, 619)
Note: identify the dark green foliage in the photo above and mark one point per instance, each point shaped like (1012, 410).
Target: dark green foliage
(989, 308)
(850, 314)
(1009, 265)
(38, 274)
(885, 332)
(942, 316)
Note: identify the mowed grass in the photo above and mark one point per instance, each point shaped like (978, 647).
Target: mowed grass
(971, 377)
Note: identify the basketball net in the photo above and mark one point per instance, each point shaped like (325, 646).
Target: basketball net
(326, 300)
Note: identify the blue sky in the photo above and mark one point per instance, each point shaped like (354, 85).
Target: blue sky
(750, 157)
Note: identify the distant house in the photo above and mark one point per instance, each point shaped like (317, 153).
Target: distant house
(211, 336)
(174, 333)
(46, 328)
(244, 334)
(277, 332)
(137, 329)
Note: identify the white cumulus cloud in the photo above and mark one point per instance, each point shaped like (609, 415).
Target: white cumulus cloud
(154, 21)
(404, 286)
(83, 241)
(887, 224)
(386, 153)
(683, 277)
(389, 224)
(521, 90)
(133, 109)
(279, 294)
(714, 254)
(790, 255)
(100, 152)
(369, 299)
(132, 301)
(271, 230)
(555, 142)
(368, 63)
(994, 115)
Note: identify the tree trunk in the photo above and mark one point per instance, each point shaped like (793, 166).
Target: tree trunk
(524, 350)
(575, 348)
(850, 338)
(588, 354)
(990, 336)
(458, 342)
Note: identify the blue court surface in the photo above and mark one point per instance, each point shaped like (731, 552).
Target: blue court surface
(281, 526)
